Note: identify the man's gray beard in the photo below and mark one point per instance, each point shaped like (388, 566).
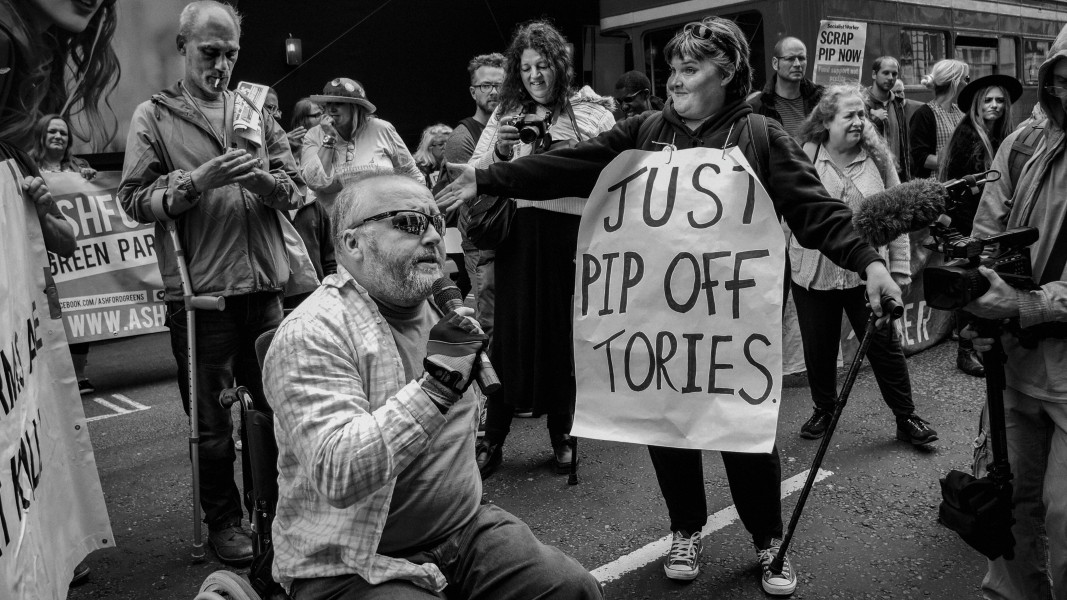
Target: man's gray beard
(402, 282)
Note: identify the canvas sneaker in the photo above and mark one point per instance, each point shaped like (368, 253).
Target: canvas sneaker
(682, 561)
(776, 584)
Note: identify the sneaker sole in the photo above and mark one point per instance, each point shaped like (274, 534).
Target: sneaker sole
(779, 590)
(903, 437)
(681, 575)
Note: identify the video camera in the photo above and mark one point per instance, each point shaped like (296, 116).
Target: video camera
(953, 286)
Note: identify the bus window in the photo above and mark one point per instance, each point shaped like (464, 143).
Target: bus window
(986, 55)
(919, 50)
(1034, 53)
(657, 69)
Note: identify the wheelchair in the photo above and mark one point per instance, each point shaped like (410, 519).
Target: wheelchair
(257, 432)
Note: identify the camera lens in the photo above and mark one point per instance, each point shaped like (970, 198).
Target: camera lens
(528, 134)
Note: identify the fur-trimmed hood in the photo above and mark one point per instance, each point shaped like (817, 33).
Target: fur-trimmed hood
(586, 94)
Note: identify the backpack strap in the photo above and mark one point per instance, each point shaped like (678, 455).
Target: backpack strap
(1022, 149)
(761, 142)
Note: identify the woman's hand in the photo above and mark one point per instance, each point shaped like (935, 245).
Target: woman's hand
(507, 137)
(88, 173)
(880, 284)
(463, 187)
(327, 127)
(37, 191)
(296, 136)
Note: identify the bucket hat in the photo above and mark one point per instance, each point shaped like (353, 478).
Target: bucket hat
(346, 90)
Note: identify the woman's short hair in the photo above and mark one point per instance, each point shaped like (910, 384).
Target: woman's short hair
(725, 46)
(422, 154)
(945, 74)
(814, 128)
(40, 138)
(547, 41)
(301, 113)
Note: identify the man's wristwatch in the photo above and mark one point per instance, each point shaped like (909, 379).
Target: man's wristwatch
(186, 187)
(329, 141)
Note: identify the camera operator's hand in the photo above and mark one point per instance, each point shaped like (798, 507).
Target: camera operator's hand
(981, 344)
(464, 187)
(880, 283)
(452, 351)
(223, 170)
(1000, 302)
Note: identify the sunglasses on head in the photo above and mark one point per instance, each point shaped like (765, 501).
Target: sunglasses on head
(348, 85)
(699, 30)
(410, 221)
(631, 97)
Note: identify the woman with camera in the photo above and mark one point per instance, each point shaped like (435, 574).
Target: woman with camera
(853, 162)
(986, 105)
(531, 348)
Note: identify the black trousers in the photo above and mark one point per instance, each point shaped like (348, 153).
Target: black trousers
(755, 485)
(819, 316)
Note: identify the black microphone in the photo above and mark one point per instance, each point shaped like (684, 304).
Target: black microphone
(901, 209)
(448, 297)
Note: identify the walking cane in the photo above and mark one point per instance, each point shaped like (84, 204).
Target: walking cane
(893, 310)
(192, 303)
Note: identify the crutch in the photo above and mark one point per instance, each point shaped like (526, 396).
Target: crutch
(192, 303)
(894, 310)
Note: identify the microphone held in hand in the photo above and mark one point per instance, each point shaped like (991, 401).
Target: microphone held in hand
(902, 209)
(448, 297)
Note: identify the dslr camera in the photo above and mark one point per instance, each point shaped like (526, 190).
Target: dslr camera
(532, 128)
(956, 284)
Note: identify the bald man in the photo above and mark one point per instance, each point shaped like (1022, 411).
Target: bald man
(789, 96)
(185, 164)
(379, 494)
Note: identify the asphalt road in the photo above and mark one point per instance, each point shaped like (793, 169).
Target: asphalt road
(869, 531)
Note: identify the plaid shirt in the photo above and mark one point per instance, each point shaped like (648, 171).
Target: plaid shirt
(946, 120)
(347, 424)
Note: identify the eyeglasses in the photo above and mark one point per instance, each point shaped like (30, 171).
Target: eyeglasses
(487, 87)
(272, 109)
(798, 58)
(347, 85)
(409, 221)
(1056, 90)
(317, 115)
(699, 30)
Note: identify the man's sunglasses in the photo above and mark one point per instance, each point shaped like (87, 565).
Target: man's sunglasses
(409, 221)
(631, 97)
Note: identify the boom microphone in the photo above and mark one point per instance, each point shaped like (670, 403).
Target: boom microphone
(902, 209)
(448, 297)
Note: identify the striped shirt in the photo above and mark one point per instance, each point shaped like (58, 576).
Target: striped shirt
(348, 424)
(592, 119)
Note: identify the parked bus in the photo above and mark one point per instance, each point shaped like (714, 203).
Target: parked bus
(993, 36)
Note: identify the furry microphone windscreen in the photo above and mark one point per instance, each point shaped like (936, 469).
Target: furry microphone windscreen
(902, 209)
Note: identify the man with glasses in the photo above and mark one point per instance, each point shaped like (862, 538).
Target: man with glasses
(789, 96)
(487, 75)
(886, 110)
(184, 163)
(633, 94)
(378, 492)
(1035, 398)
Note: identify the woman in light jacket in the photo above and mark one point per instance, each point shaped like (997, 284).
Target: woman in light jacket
(853, 162)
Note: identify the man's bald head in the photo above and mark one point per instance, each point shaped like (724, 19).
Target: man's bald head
(195, 12)
(790, 59)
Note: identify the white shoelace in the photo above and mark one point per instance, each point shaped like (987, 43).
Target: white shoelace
(767, 555)
(683, 549)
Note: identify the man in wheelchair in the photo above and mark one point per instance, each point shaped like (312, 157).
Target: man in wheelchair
(379, 493)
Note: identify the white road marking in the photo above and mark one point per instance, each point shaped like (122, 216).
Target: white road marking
(117, 410)
(659, 548)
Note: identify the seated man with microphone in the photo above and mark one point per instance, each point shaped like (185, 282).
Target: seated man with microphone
(379, 493)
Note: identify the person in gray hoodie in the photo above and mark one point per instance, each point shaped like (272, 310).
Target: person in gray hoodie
(1035, 399)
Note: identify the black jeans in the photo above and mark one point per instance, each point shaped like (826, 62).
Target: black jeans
(755, 485)
(225, 352)
(819, 316)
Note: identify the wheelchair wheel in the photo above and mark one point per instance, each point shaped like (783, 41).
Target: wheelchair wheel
(226, 585)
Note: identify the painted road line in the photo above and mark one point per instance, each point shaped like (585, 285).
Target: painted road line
(117, 410)
(659, 548)
(135, 405)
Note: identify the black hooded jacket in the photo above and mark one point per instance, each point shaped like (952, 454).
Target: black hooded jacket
(817, 219)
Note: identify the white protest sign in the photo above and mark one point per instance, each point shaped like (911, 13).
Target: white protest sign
(52, 509)
(839, 52)
(678, 304)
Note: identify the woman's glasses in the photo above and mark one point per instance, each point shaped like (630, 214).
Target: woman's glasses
(410, 221)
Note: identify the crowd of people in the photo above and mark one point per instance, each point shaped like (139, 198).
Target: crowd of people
(383, 444)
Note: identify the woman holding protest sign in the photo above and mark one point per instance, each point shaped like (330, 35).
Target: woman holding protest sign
(710, 78)
(39, 40)
(51, 151)
(534, 263)
(853, 162)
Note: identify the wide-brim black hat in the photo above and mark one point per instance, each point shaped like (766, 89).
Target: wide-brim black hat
(345, 90)
(1010, 84)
